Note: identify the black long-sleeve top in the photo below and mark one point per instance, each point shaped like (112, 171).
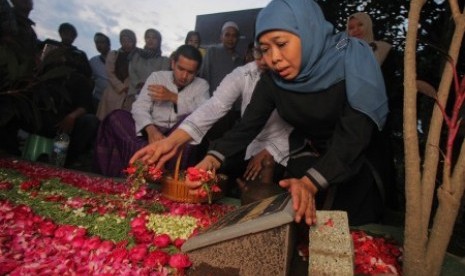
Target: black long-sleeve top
(339, 133)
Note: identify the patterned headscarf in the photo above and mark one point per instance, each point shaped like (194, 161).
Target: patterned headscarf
(327, 58)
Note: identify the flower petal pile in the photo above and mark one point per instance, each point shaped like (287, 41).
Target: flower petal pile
(375, 255)
(54, 221)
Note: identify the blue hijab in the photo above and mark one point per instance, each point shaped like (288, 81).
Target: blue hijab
(327, 58)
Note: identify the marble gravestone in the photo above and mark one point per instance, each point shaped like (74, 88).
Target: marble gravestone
(255, 239)
(258, 239)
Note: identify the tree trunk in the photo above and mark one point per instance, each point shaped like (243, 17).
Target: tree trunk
(441, 232)
(415, 237)
(432, 153)
(450, 192)
(424, 253)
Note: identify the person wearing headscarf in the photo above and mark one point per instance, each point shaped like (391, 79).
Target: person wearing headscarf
(317, 86)
(117, 64)
(146, 61)
(359, 25)
(193, 38)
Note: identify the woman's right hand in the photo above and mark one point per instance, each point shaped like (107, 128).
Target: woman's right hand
(161, 151)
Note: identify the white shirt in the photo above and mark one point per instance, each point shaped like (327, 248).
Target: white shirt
(274, 136)
(162, 113)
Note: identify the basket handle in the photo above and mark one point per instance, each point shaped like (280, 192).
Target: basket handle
(178, 164)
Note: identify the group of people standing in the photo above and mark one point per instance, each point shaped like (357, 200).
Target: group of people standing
(303, 104)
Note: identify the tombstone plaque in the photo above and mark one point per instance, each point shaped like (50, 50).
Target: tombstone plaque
(255, 239)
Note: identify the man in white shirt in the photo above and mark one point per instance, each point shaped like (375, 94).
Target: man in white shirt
(166, 98)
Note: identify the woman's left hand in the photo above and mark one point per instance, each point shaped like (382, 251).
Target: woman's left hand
(303, 197)
(208, 163)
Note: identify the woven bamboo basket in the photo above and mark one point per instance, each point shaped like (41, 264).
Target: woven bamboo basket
(175, 189)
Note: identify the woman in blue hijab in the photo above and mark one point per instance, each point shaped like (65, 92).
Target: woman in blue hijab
(329, 87)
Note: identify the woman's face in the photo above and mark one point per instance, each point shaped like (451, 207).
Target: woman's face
(282, 53)
(151, 40)
(127, 44)
(356, 28)
(194, 41)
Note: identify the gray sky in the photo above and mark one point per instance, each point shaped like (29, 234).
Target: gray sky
(173, 18)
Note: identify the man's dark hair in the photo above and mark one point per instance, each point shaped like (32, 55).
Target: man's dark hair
(97, 35)
(67, 27)
(190, 52)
